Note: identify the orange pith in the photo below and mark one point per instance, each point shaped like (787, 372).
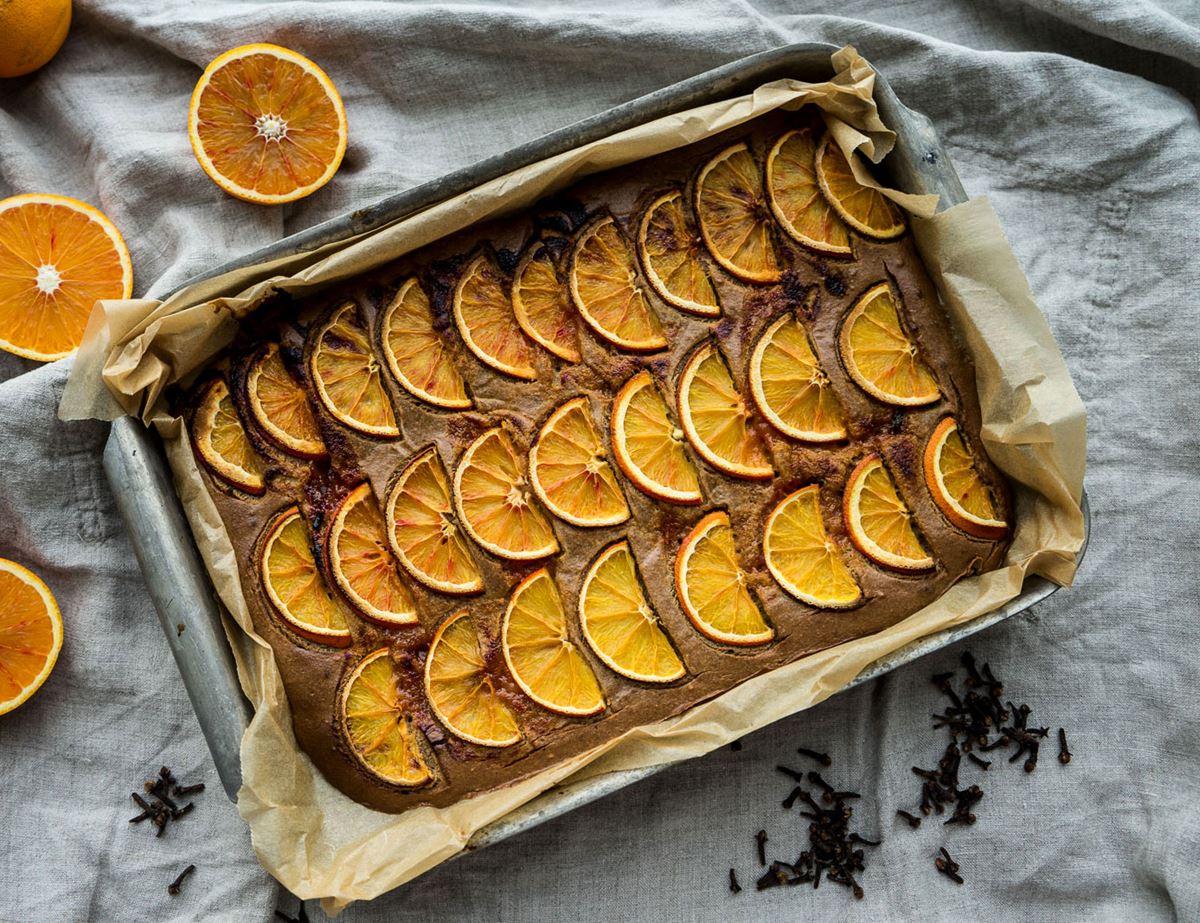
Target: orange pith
(711, 586)
(31, 634)
(880, 355)
(716, 420)
(415, 352)
(266, 124)
(422, 530)
(485, 319)
(801, 556)
(348, 378)
(735, 220)
(543, 660)
(461, 689)
(648, 446)
(222, 442)
(381, 734)
(495, 502)
(670, 251)
(618, 623)
(363, 564)
(569, 472)
(607, 291)
(956, 486)
(879, 521)
(865, 209)
(796, 199)
(280, 406)
(542, 304)
(790, 387)
(58, 257)
(294, 585)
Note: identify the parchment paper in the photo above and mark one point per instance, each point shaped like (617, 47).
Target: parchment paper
(318, 842)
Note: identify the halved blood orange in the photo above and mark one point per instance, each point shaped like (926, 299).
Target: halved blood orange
(31, 634)
(956, 486)
(734, 217)
(711, 586)
(671, 257)
(222, 443)
(422, 529)
(380, 732)
(58, 257)
(569, 472)
(802, 557)
(484, 315)
(790, 387)
(280, 406)
(619, 624)
(648, 446)
(362, 562)
(540, 654)
(879, 521)
(495, 502)
(267, 124)
(607, 291)
(796, 199)
(880, 355)
(347, 376)
(461, 689)
(716, 420)
(415, 352)
(542, 303)
(294, 585)
(865, 209)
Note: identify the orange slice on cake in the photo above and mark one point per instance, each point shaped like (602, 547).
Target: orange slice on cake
(347, 376)
(734, 217)
(222, 442)
(790, 387)
(956, 486)
(542, 303)
(880, 355)
(540, 654)
(461, 689)
(670, 251)
(864, 208)
(712, 586)
(280, 406)
(802, 557)
(380, 731)
(796, 198)
(569, 472)
(294, 586)
(31, 634)
(484, 315)
(879, 521)
(363, 564)
(415, 352)
(648, 446)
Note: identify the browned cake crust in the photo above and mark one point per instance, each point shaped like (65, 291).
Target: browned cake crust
(312, 672)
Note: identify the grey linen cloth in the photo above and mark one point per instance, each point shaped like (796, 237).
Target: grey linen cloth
(1077, 118)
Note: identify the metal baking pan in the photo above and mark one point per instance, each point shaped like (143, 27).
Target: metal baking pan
(183, 595)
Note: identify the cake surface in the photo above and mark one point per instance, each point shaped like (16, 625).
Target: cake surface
(479, 401)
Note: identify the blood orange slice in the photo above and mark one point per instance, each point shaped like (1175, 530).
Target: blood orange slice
(712, 586)
(879, 521)
(801, 556)
(294, 586)
(569, 472)
(362, 562)
(415, 352)
(485, 319)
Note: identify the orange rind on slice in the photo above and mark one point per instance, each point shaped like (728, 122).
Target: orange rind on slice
(734, 217)
(380, 732)
(484, 316)
(864, 208)
(294, 585)
(543, 660)
(618, 623)
(495, 502)
(415, 352)
(879, 354)
(607, 291)
(670, 251)
(569, 472)
(802, 557)
(423, 532)
(347, 376)
(712, 589)
(362, 562)
(796, 198)
(31, 634)
(542, 304)
(716, 420)
(649, 448)
(222, 442)
(461, 689)
(879, 521)
(790, 387)
(956, 486)
(280, 406)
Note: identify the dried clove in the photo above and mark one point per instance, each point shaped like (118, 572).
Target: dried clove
(734, 887)
(823, 758)
(760, 842)
(947, 866)
(1064, 755)
(173, 887)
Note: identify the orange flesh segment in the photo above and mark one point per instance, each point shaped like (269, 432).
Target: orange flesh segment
(30, 634)
(223, 443)
(712, 586)
(542, 304)
(670, 252)
(879, 521)
(734, 217)
(347, 376)
(796, 198)
(790, 387)
(649, 447)
(381, 735)
(801, 556)
(608, 293)
(461, 689)
(363, 564)
(880, 356)
(865, 209)
(294, 584)
(281, 408)
(956, 485)
(715, 417)
(485, 319)
(416, 353)
(569, 471)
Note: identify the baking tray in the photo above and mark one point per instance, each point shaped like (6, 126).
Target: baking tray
(136, 467)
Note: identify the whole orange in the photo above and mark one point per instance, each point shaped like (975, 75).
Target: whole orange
(31, 32)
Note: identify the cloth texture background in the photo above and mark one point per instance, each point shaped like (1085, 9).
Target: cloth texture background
(1077, 117)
